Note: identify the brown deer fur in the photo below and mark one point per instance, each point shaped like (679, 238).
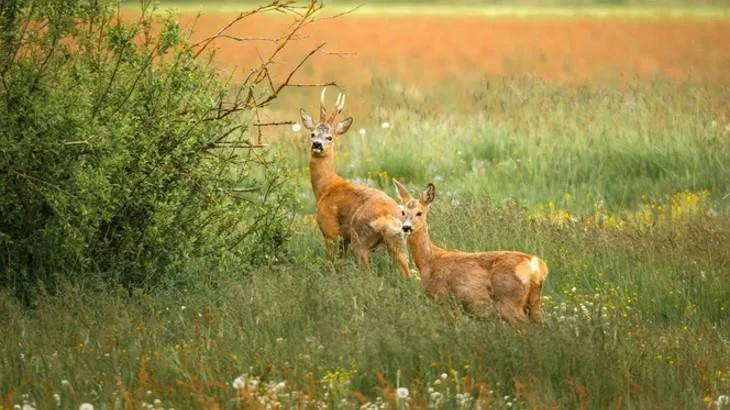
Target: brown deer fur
(510, 282)
(364, 217)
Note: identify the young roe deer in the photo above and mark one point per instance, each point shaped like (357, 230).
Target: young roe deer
(364, 217)
(510, 282)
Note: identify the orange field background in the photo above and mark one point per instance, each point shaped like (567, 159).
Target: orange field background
(422, 50)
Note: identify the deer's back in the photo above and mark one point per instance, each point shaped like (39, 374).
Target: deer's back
(480, 275)
(347, 200)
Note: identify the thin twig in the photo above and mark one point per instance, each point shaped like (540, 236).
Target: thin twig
(334, 16)
(249, 189)
(203, 44)
(289, 77)
(270, 124)
(82, 142)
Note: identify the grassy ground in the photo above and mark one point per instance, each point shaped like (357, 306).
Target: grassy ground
(623, 189)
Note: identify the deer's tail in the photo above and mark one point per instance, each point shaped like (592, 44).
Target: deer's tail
(539, 273)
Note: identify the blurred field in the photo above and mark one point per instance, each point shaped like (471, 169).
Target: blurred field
(601, 144)
(425, 49)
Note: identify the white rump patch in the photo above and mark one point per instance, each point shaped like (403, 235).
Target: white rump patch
(535, 264)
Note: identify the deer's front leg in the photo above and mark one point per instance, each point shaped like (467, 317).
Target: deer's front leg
(330, 230)
(397, 251)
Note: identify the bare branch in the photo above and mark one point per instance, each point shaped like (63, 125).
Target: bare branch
(325, 84)
(289, 77)
(82, 142)
(203, 44)
(242, 39)
(334, 16)
(271, 124)
(249, 189)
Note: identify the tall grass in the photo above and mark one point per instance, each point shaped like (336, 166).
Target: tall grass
(623, 190)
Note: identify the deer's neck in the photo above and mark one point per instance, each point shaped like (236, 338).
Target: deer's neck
(422, 250)
(322, 173)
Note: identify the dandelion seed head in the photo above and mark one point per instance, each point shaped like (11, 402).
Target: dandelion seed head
(402, 393)
(86, 406)
(296, 127)
(444, 376)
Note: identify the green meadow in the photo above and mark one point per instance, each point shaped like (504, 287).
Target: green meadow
(624, 190)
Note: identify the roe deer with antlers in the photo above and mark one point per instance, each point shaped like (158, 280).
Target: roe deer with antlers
(510, 282)
(364, 217)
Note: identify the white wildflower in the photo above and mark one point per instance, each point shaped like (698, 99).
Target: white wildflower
(385, 125)
(183, 307)
(444, 376)
(296, 127)
(57, 399)
(362, 132)
(86, 406)
(722, 401)
(402, 393)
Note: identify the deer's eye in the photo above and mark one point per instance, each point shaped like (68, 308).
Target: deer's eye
(312, 135)
(419, 213)
(329, 138)
(403, 213)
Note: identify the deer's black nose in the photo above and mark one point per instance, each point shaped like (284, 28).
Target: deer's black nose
(407, 228)
(316, 145)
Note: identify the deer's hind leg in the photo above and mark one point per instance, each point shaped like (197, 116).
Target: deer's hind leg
(533, 307)
(511, 312)
(344, 247)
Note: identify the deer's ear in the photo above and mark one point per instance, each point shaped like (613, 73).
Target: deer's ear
(428, 194)
(343, 126)
(405, 196)
(306, 119)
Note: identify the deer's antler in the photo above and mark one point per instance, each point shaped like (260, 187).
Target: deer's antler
(322, 109)
(339, 105)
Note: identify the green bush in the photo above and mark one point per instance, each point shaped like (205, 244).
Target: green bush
(111, 163)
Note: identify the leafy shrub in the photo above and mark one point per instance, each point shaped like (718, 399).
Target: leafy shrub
(111, 162)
